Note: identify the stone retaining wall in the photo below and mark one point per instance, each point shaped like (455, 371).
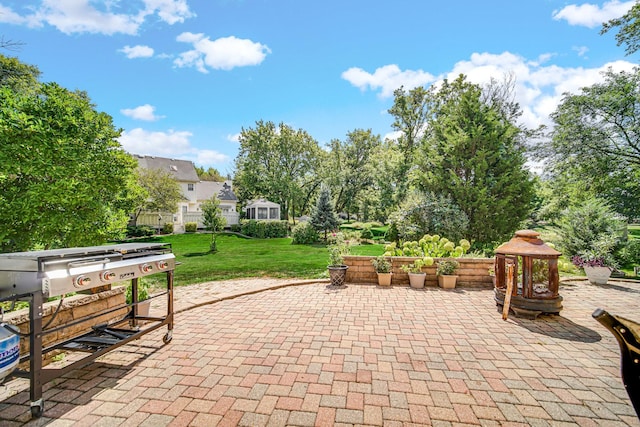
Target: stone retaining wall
(473, 272)
(73, 308)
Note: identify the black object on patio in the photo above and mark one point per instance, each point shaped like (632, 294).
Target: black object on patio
(627, 332)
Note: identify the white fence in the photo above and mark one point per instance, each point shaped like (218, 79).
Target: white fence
(158, 219)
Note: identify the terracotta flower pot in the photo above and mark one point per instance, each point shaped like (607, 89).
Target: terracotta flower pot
(447, 282)
(384, 279)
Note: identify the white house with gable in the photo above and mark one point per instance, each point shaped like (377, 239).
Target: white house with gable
(194, 192)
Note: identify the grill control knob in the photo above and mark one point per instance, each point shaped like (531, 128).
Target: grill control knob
(162, 265)
(146, 268)
(81, 281)
(108, 276)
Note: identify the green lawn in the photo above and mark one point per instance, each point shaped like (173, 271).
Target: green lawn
(238, 257)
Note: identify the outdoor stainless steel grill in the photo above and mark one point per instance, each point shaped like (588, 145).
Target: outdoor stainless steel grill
(34, 276)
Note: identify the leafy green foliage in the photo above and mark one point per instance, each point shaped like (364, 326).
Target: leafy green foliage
(167, 228)
(304, 234)
(280, 164)
(416, 266)
(349, 170)
(595, 135)
(430, 246)
(591, 230)
(161, 192)
(381, 264)
(191, 227)
(628, 29)
(447, 267)
(473, 153)
(211, 174)
(427, 213)
(64, 178)
(140, 231)
(213, 219)
(264, 229)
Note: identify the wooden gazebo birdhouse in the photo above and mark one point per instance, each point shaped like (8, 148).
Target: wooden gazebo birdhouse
(527, 269)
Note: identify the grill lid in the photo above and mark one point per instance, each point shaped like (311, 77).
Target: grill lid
(37, 260)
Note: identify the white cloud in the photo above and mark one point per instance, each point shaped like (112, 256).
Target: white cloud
(170, 11)
(138, 51)
(234, 138)
(387, 78)
(144, 112)
(221, 54)
(539, 86)
(82, 16)
(581, 50)
(172, 144)
(591, 15)
(393, 136)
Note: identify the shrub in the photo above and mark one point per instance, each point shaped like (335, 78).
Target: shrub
(630, 254)
(264, 229)
(191, 227)
(423, 213)
(591, 229)
(447, 267)
(140, 231)
(167, 228)
(429, 246)
(366, 233)
(381, 264)
(304, 234)
(235, 228)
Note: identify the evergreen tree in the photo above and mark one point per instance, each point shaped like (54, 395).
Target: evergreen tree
(324, 216)
(475, 155)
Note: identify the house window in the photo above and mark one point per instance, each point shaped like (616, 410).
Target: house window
(252, 213)
(189, 187)
(273, 213)
(262, 213)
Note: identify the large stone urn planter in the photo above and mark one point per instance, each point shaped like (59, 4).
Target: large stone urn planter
(597, 275)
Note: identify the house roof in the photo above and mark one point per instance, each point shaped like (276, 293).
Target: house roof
(182, 170)
(206, 189)
(261, 203)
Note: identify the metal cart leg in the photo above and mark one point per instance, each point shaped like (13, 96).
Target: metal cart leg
(35, 361)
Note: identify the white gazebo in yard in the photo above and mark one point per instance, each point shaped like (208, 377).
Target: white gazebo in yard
(262, 209)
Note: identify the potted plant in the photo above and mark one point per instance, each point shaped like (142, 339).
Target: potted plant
(445, 270)
(382, 265)
(144, 303)
(597, 268)
(414, 270)
(336, 267)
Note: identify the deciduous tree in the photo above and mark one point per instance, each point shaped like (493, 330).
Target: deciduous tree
(595, 146)
(64, 178)
(213, 220)
(278, 163)
(628, 29)
(161, 192)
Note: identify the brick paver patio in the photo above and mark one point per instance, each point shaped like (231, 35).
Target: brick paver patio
(311, 355)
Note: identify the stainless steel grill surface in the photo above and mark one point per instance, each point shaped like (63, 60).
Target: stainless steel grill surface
(60, 271)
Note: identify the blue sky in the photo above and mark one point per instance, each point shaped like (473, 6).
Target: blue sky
(183, 77)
